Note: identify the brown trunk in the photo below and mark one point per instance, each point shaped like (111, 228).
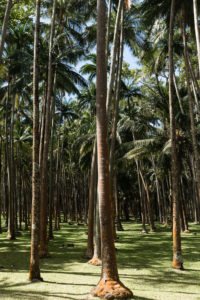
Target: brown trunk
(44, 165)
(34, 271)
(11, 181)
(96, 259)
(191, 105)
(177, 256)
(90, 248)
(151, 220)
(109, 285)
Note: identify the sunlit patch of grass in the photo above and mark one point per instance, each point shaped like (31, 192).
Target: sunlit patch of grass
(144, 262)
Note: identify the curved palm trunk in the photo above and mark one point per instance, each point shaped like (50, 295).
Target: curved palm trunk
(177, 256)
(4, 27)
(44, 196)
(197, 33)
(34, 272)
(109, 283)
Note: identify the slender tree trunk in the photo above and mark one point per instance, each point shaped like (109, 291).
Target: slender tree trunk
(197, 33)
(109, 284)
(177, 255)
(151, 220)
(178, 94)
(96, 259)
(90, 248)
(44, 166)
(34, 271)
(191, 105)
(108, 28)
(115, 116)
(117, 207)
(113, 59)
(4, 27)
(141, 198)
(51, 181)
(11, 179)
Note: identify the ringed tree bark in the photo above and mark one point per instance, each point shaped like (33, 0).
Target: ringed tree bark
(34, 272)
(177, 255)
(109, 284)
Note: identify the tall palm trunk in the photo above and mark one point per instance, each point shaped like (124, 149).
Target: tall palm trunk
(197, 33)
(96, 259)
(177, 256)
(44, 165)
(90, 248)
(108, 28)
(51, 179)
(11, 177)
(191, 104)
(113, 58)
(4, 27)
(109, 283)
(115, 116)
(34, 272)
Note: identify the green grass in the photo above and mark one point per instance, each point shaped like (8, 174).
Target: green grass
(144, 263)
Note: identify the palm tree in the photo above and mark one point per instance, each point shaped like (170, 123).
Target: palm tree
(44, 193)
(177, 256)
(34, 272)
(109, 283)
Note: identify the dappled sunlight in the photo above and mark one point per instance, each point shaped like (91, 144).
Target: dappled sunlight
(144, 263)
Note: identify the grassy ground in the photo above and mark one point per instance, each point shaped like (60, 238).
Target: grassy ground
(144, 263)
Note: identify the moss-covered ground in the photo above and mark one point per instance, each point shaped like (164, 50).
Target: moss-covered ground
(144, 263)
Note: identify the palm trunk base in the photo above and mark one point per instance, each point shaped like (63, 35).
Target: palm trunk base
(153, 229)
(111, 289)
(95, 261)
(50, 236)
(177, 261)
(34, 274)
(119, 226)
(44, 253)
(11, 236)
(88, 254)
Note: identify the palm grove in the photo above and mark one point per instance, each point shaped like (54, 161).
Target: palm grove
(106, 143)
